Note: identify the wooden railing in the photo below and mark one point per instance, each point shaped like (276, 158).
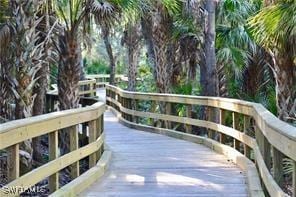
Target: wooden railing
(103, 79)
(251, 131)
(87, 88)
(14, 133)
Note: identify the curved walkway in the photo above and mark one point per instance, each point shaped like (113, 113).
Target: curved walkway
(146, 165)
(150, 165)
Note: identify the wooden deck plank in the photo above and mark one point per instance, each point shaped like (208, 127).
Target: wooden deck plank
(147, 164)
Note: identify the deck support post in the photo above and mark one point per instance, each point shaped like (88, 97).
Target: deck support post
(222, 121)
(73, 134)
(294, 179)
(168, 111)
(277, 166)
(188, 127)
(99, 131)
(247, 124)
(13, 162)
(53, 181)
(212, 117)
(264, 147)
(235, 125)
(92, 138)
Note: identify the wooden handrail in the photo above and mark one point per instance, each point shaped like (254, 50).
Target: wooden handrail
(15, 132)
(270, 142)
(86, 88)
(103, 79)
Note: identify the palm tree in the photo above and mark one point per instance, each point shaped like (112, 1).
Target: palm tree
(131, 40)
(210, 83)
(274, 28)
(19, 34)
(6, 95)
(76, 16)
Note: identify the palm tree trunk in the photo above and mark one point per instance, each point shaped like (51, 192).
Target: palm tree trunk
(69, 70)
(285, 76)
(163, 49)
(132, 69)
(39, 105)
(6, 96)
(106, 35)
(146, 24)
(210, 86)
(132, 39)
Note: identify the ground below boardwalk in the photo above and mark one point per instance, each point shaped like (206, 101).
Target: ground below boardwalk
(148, 165)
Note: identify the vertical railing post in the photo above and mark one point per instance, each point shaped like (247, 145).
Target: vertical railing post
(91, 88)
(247, 125)
(235, 125)
(13, 162)
(152, 110)
(294, 179)
(135, 107)
(73, 134)
(264, 147)
(277, 166)
(53, 181)
(168, 111)
(188, 127)
(92, 137)
(129, 106)
(212, 117)
(222, 121)
(100, 130)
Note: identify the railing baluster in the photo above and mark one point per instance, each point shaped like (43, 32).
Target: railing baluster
(222, 121)
(211, 118)
(53, 182)
(168, 111)
(152, 110)
(294, 179)
(188, 127)
(13, 162)
(277, 166)
(73, 134)
(247, 124)
(92, 138)
(264, 147)
(235, 125)
(129, 106)
(100, 130)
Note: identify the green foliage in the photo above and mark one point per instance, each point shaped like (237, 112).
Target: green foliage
(97, 67)
(275, 26)
(53, 74)
(148, 83)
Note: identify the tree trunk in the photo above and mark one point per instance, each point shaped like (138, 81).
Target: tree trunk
(208, 70)
(146, 24)
(6, 96)
(106, 35)
(69, 70)
(132, 69)
(163, 49)
(68, 79)
(132, 39)
(210, 85)
(285, 76)
(39, 105)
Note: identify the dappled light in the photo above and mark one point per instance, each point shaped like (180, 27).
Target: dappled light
(153, 98)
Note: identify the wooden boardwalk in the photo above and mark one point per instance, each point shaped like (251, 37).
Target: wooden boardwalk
(147, 164)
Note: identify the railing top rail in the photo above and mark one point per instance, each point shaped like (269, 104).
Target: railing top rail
(28, 128)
